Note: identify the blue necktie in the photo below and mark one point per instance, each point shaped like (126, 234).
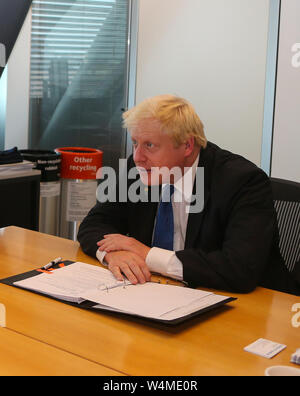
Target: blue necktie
(164, 228)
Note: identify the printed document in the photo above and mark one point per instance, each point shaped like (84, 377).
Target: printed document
(79, 282)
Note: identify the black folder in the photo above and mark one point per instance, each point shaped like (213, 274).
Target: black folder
(90, 305)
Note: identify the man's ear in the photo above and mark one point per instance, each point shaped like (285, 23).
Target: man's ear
(189, 146)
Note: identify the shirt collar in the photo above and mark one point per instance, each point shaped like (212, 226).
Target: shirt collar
(184, 185)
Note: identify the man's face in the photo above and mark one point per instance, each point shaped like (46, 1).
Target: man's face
(152, 148)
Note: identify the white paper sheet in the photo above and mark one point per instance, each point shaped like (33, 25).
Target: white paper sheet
(149, 299)
(70, 282)
(196, 305)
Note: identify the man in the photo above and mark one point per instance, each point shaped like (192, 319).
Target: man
(230, 243)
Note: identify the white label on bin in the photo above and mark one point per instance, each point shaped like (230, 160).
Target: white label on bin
(50, 189)
(81, 197)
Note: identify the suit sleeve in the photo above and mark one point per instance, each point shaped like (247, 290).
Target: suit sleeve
(238, 264)
(109, 217)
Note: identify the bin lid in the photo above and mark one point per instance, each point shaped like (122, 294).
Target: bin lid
(47, 161)
(79, 162)
(35, 155)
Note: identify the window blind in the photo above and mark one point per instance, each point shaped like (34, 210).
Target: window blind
(66, 34)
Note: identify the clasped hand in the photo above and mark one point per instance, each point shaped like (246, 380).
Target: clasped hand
(126, 255)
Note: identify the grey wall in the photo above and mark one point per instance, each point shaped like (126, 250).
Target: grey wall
(213, 53)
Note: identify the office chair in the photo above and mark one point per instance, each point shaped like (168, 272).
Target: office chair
(286, 195)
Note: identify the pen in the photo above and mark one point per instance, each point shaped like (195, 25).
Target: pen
(55, 261)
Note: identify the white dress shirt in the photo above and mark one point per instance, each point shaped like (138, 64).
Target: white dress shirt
(164, 261)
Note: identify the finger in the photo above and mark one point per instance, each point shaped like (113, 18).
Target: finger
(137, 272)
(143, 268)
(110, 246)
(107, 247)
(116, 272)
(127, 271)
(146, 272)
(105, 240)
(111, 242)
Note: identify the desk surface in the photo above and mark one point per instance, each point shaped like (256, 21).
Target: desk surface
(17, 352)
(211, 344)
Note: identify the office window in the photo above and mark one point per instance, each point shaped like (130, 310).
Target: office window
(78, 79)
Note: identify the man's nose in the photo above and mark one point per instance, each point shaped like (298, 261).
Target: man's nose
(138, 154)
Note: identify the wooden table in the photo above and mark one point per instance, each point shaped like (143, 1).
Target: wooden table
(21, 355)
(211, 344)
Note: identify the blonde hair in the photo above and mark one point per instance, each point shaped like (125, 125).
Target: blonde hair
(176, 116)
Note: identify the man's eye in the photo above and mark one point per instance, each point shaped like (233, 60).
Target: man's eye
(150, 145)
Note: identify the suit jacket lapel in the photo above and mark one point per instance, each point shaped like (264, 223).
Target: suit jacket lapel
(147, 214)
(145, 217)
(195, 220)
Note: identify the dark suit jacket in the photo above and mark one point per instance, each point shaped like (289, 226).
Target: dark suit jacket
(231, 245)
